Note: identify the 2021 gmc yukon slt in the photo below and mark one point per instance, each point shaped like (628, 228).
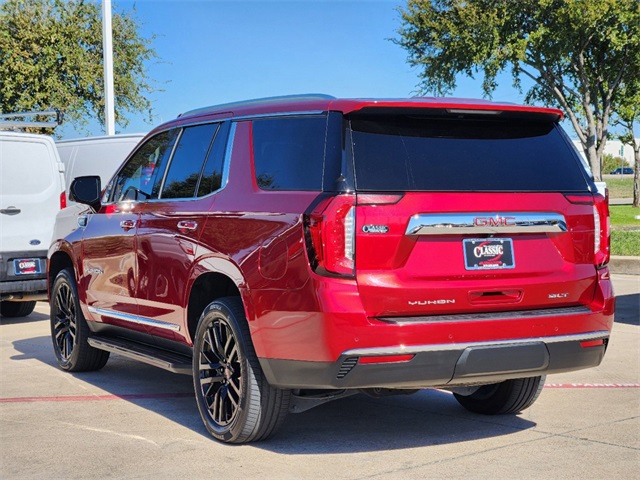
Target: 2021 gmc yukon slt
(293, 250)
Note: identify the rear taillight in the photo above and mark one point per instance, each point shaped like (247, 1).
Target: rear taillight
(602, 233)
(63, 200)
(330, 235)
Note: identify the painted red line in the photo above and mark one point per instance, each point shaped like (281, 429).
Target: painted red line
(592, 385)
(88, 398)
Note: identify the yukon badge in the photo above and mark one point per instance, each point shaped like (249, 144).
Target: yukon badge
(375, 229)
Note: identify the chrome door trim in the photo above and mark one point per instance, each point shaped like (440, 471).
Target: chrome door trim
(135, 319)
(486, 223)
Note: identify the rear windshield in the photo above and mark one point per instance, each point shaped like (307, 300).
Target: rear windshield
(403, 153)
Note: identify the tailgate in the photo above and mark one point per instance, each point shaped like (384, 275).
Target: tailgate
(457, 252)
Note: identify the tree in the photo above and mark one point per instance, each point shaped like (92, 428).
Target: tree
(577, 52)
(51, 57)
(627, 117)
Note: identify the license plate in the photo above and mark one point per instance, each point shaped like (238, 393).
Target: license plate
(488, 253)
(27, 266)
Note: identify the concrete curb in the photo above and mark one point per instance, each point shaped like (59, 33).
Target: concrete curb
(625, 265)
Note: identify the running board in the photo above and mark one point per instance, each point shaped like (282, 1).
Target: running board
(173, 362)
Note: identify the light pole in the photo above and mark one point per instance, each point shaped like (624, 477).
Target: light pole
(107, 47)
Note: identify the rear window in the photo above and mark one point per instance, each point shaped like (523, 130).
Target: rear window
(402, 153)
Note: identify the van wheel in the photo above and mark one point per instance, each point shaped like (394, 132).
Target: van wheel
(69, 330)
(236, 403)
(16, 309)
(510, 396)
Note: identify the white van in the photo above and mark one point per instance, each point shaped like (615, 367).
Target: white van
(90, 156)
(32, 192)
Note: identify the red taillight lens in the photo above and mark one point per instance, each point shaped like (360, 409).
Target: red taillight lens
(602, 227)
(63, 200)
(330, 234)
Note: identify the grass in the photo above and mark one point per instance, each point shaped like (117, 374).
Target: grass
(619, 186)
(625, 242)
(624, 216)
(625, 234)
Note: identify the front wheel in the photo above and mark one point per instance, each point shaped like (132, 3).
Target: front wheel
(69, 330)
(236, 403)
(510, 396)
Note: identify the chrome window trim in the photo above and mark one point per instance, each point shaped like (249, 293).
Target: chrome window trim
(415, 349)
(135, 319)
(465, 223)
(226, 163)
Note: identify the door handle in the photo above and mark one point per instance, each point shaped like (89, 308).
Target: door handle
(10, 211)
(187, 226)
(127, 225)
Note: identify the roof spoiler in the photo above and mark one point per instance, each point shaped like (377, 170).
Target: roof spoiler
(29, 119)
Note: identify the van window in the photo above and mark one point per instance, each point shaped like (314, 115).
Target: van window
(19, 162)
(404, 153)
(188, 159)
(289, 152)
(141, 176)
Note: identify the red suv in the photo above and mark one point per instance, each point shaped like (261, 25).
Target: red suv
(290, 251)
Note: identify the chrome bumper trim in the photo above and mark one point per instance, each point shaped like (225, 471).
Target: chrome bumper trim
(487, 316)
(415, 349)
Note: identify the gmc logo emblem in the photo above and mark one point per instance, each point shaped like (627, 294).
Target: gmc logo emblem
(494, 222)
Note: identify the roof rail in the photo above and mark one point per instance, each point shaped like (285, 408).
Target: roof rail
(10, 120)
(260, 101)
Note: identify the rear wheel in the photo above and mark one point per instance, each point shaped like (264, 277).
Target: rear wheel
(16, 309)
(69, 330)
(236, 403)
(510, 396)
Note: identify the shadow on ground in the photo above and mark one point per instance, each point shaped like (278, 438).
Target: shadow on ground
(628, 309)
(354, 424)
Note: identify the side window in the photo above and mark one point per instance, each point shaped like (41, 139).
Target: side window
(188, 159)
(141, 175)
(212, 174)
(289, 152)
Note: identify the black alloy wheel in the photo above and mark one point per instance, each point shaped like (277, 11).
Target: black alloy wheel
(64, 322)
(235, 401)
(69, 330)
(220, 373)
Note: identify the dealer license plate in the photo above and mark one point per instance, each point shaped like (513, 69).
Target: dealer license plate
(488, 253)
(27, 266)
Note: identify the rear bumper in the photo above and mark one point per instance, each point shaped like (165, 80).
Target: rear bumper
(23, 287)
(443, 365)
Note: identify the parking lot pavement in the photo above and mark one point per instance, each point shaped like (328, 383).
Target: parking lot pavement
(134, 421)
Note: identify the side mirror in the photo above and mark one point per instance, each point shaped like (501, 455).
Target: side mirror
(86, 190)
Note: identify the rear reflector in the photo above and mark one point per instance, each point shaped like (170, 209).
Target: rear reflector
(386, 359)
(592, 343)
(63, 200)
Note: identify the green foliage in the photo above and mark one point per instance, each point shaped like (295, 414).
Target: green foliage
(619, 187)
(610, 163)
(578, 52)
(51, 57)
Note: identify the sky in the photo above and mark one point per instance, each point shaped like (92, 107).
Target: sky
(220, 51)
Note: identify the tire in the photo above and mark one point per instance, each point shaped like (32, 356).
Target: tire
(69, 330)
(510, 396)
(236, 403)
(16, 309)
